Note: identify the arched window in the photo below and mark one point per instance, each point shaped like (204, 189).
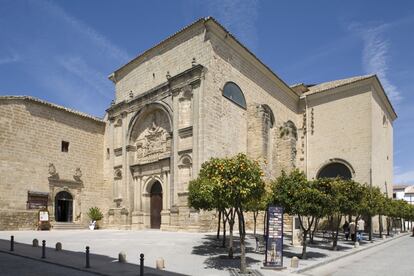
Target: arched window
(233, 92)
(335, 170)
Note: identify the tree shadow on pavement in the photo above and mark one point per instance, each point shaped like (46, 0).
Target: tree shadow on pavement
(309, 254)
(223, 262)
(218, 258)
(210, 246)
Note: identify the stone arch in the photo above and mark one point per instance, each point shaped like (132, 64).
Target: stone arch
(336, 167)
(63, 206)
(267, 111)
(185, 166)
(185, 160)
(144, 110)
(153, 201)
(150, 131)
(150, 181)
(287, 144)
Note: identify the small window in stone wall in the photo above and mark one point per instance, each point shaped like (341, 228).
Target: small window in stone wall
(65, 146)
(37, 200)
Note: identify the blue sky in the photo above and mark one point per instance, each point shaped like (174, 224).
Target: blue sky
(63, 51)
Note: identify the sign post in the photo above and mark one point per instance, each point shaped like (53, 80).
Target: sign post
(44, 220)
(274, 238)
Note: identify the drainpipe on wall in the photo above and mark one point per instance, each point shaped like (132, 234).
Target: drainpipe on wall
(306, 137)
(370, 217)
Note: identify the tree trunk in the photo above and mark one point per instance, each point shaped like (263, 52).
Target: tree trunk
(312, 233)
(335, 237)
(305, 233)
(231, 226)
(305, 242)
(218, 225)
(388, 226)
(264, 222)
(242, 232)
(224, 229)
(370, 229)
(255, 213)
(380, 225)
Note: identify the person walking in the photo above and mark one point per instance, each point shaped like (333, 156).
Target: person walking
(345, 227)
(352, 228)
(360, 228)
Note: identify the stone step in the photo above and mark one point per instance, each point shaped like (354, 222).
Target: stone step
(68, 226)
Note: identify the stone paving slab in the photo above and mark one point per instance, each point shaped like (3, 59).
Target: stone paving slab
(99, 264)
(184, 253)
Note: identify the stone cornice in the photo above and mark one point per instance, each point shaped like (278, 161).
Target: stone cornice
(369, 83)
(191, 76)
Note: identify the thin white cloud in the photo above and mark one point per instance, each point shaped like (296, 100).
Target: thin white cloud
(404, 178)
(239, 17)
(376, 58)
(10, 59)
(101, 41)
(78, 67)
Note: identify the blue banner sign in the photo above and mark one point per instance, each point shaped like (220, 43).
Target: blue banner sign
(274, 237)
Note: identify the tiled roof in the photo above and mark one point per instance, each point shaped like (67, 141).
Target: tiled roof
(33, 99)
(334, 84)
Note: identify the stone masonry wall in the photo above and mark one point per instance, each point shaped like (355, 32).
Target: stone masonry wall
(220, 117)
(172, 58)
(382, 146)
(30, 137)
(340, 127)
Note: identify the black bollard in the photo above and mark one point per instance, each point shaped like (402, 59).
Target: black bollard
(12, 243)
(141, 264)
(43, 249)
(87, 257)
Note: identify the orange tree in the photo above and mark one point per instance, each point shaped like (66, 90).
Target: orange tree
(300, 197)
(229, 185)
(371, 204)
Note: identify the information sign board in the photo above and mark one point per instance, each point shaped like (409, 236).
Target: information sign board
(43, 216)
(274, 237)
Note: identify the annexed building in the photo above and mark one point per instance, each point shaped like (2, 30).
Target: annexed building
(199, 94)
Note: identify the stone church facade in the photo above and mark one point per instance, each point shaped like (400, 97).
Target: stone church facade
(198, 94)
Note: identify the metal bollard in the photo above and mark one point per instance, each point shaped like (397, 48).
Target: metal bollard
(87, 257)
(12, 243)
(43, 249)
(141, 264)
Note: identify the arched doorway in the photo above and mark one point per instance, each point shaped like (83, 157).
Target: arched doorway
(156, 205)
(335, 169)
(64, 207)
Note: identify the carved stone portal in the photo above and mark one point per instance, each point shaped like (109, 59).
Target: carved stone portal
(152, 135)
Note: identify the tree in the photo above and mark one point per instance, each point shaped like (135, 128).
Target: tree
(371, 204)
(230, 185)
(257, 205)
(324, 185)
(343, 197)
(299, 197)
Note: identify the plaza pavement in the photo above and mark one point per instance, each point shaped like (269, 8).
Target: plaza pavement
(184, 253)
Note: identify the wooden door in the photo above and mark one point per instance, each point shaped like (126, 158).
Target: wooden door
(156, 205)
